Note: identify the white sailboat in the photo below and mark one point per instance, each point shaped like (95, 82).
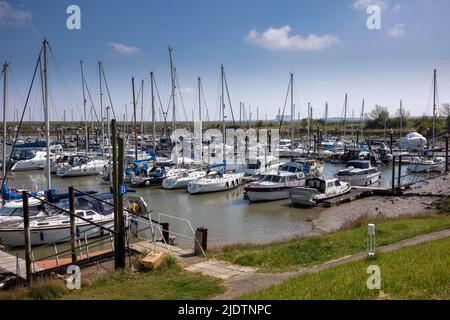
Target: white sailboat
(359, 173)
(215, 181)
(81, 165)
(182, 179)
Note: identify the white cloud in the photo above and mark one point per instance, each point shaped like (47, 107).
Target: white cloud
(363, 4)
(10, 16)
(397, 31)
(279, 39)
(124, 49)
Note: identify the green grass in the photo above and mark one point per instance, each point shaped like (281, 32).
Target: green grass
(297, 253)
(420, 272)
(169, 283)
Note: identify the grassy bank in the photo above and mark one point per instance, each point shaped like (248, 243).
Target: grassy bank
(420, 272)
(297, 253)
(170, 282)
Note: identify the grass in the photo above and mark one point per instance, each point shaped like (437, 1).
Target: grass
(420, 272)
(443, 206)
(169, 282)
(297, 253)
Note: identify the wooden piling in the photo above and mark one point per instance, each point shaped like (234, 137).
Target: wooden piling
(446, 153)
(399, 184)
(393, 172)
(26, 230)
(120, 249)
(73, 231)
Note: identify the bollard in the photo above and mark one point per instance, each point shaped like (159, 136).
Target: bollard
(201, 242)
(165, 231)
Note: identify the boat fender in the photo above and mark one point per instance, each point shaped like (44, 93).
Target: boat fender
(41, 235)
(78, 232)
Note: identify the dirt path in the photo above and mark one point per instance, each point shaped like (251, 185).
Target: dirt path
(255, 281)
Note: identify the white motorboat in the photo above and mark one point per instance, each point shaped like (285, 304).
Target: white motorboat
(426, 164)
(54, 227)
(81, 165)
(12, 211)
(274, 186)
(317, 190)
(261, 164)
(413, 141)
(215, 181)
(307, 166)
(359, 173)
(30, 160)
(181, 179)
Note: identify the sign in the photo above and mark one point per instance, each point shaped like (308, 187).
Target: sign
(123, 188)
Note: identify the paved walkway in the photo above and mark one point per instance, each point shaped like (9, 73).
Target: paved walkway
(250, 282)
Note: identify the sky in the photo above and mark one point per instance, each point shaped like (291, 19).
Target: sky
(325, 44)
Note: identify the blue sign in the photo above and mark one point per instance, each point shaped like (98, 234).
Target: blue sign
(123, 188)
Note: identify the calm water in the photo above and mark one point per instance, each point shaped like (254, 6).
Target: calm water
(228, 216)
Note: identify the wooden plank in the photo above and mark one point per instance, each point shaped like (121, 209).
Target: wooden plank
(8, 264)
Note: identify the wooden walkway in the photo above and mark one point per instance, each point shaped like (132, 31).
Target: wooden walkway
(14, 265)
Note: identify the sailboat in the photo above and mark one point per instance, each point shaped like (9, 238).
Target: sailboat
(428, 162)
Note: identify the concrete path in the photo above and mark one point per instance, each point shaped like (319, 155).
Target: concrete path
(250, 282)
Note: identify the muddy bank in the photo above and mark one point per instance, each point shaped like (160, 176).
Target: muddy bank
(340, 217)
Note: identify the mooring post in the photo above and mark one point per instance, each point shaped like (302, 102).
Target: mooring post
(392, 141)
(26, 231)
(120, 249)
(393, 172)
(165, 231)
(399, 171)
(446, 152)
(73, 231)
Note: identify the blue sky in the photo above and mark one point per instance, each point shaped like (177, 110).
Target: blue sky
(325, 43)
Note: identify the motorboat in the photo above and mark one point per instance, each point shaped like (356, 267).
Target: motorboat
(413, 141)
(359, 173)
(12, 211)
(81, 165)
(214, 181)
(274, 186)
(309, 167)
(54, 227)
(426, 164)
(318, 190)
(29, 159)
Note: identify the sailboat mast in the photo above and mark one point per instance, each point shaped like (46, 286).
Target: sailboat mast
(134, 115)
(172, 75)
(292, 112)
(345, 116)
(101, 107)
(361, 123)
(326, 120)
(199, 100)
(401, 118)
(5, 99)
(434, 105)
(222, 104)
(153, 111)
(47, 117)
(142, 113)
(86, 142)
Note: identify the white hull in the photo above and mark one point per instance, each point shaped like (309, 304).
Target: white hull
(311, 197)
(92, 168)
(27, 165)
(228, 182)
(361, 180)
(268, 195)
(182, 182)
(426, 166)
(39, 236)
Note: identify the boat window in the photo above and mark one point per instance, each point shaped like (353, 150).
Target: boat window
(322, 187)
(89, 213)
(330, 184)
(84, 204)
(7, 212)
(337, 183)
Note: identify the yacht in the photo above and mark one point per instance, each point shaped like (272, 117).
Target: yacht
(215, 181)
(81, 165)
(317, 190)
(29, 159)
(274, 186)
(181, 179)
(359, 173)
(426, 164)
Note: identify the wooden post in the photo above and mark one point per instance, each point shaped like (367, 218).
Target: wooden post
(392, 140)
(393, 172)
(26, 230)
(165, 231)
(73, 231)
(120, 249)
(399, 171)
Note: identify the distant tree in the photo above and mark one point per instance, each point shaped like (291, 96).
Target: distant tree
(377, 117)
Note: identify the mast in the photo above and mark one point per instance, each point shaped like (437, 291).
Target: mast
(345, 116)
(86, 142)
(292, 112)
(108, 129)
(309, 125)
(101, 107)
(361, 124)
(222, 104)
(134, 114)
(142, 113)
(172, 76)
(5, 99)
(401, 118)
(47, 117)
(153, 111)
(434, 105)
(326, 120)
(199, 100)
